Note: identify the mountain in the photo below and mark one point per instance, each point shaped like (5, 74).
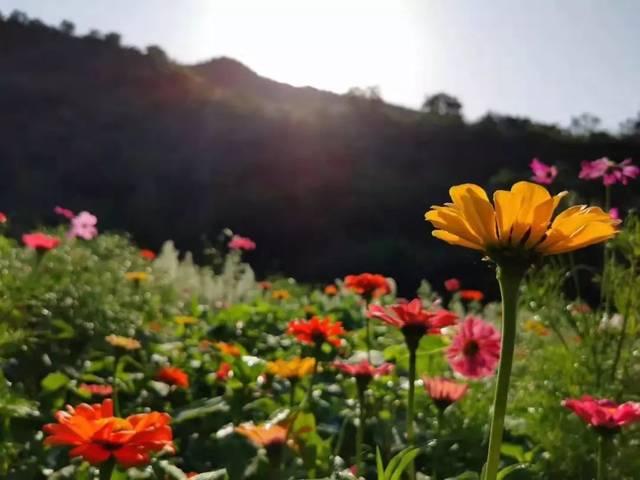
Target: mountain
(326, 184)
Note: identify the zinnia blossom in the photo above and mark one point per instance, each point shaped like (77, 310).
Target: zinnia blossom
(452, 285)
(363, 369)
(123, 342)
(40, 242)
(224, 372)
(137, 277)
(185, 320)
(3, 218)
(241, 243)
(610, 172)
(369, 285)
(519, 223)
(331, 290)
(173, 376)
(412, 319)
(229, 349)
(615, 213)
(280, 295)
(475, 350)
(147, 254)
(537, 327)
(444, 392)
(97, 389)
(604, 415)
(543, 173)
(294, 368)
(84, 226)
(472, 295)
(64, 212)
(265, 435)
(96, 435)
(317, 330)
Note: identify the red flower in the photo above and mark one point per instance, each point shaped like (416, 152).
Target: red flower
(363, 369)
(97, 389)
(331, 290)
(40, 241)
(64, 212)
(147, 254)
(604, 414)
(472, 295)
(3, 218)
(173, 376)
(475, 350)
(369, 285)
(452, 285)
(316, 330)
(241, 243)
(444, 392)
(224, 372)
(412, 318)
(96, 435)
(264, 285)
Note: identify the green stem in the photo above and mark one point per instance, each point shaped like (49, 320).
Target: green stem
(116, 402)
(438, 435)
(107, 469)
(509, 279)
(292, 391)
(623, 331)
(368, 321)
(603, 443)
(360, 432)
(410, 406)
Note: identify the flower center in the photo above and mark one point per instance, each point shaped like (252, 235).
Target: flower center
(471, 348)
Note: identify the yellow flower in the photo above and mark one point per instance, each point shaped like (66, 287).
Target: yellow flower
(185, 320)
(534, 326)
(229, 349)
(280, 295)
(520, 221)
(295, 368)
(123, 342)
(137, 276)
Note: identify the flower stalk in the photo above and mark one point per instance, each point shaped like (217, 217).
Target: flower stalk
(360, 430)
(413, 347)
(509, 277)
(603, 447)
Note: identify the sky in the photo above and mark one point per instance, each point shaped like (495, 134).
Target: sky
(544, 59)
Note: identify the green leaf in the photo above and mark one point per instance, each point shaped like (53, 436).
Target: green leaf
(200, 409)
(55, 381)
(379, 464)
(502, 474)
(513, 450)
(405, 457)
(214, 475)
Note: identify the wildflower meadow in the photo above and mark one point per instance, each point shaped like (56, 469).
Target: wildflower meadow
(120, 362)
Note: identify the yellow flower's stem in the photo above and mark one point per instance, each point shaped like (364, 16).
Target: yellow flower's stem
(509, 278)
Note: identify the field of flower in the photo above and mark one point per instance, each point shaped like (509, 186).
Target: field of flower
(119, 362)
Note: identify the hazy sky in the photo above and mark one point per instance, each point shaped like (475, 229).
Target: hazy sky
(545, 59)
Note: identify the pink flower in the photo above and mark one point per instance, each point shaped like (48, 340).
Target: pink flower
(444, 392)
(363, 369)
(3, 218)
(610, 172)
(543, 173)
(595, 169)
(604, 414)
(40, 241)
(412, 318)
(241, 243)
(475, 350)
(452, 285)
(615, 213)
(83, 226)
(64, 212)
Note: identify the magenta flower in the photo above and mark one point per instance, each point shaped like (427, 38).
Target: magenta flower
(363, 369)
(475, 350)
(241, 243)
(604, 414)
(543, 173)
(610, 172)
(84, 226)
(615, 213)
(64, 212)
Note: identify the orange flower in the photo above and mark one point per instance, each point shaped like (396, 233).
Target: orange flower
(280, 295)
(229, 349)
(537, 327)
(472, 295)
(137, 277)
(444, 392)
(173, 376)
(123, 342)
(97, 389)
(316, 330)
(96, 435)
(264, 436)
(331, 290)
(147, 254)
(369, 285)
(185, 320)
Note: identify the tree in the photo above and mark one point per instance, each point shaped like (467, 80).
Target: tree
(442, 104)
(67, 27)
(584, 125)
(371, 93)
(112, 39)
(157, 54)
(19, 16)
(631, 126)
